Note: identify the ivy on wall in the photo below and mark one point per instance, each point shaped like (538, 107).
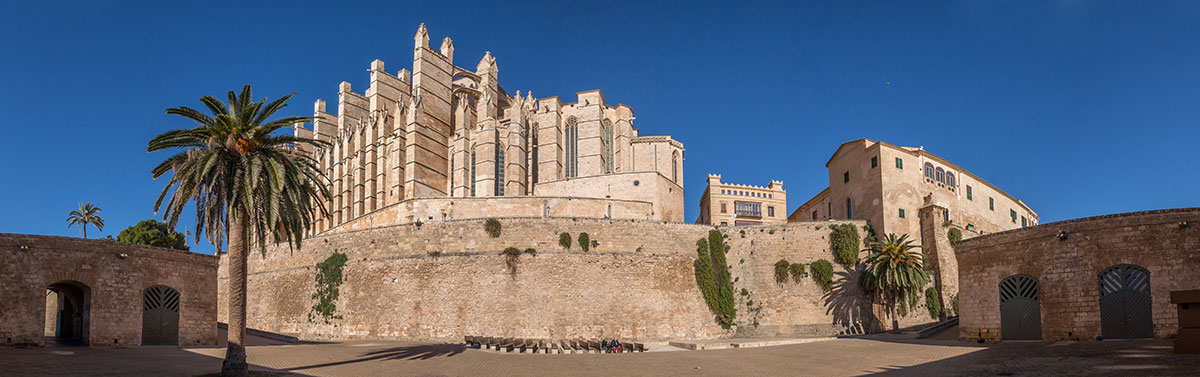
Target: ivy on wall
(781, 270)
(564, 240)
(844, 242)
(329, 278)
(797, 270)
(822, 272)
(933, 303)
(712, 277)
(492, 227)
(585, 242)
(955, 237)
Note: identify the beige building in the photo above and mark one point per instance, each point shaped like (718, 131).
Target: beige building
(734, 204)
(887, 185)
(443, 131)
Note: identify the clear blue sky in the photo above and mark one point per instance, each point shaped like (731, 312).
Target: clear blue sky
(1078, 108)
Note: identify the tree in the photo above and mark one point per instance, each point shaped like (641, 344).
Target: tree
(86, 214)
(248, 184)
(153, 233)
(895, 275)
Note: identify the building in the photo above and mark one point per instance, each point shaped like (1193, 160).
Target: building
(734, 204)
(432, 144)
(887, 185)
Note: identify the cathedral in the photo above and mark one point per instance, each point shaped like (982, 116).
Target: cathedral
(443, 142)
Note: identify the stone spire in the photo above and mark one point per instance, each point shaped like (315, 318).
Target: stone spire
(487, 64)
(422, 37)
(448, 49)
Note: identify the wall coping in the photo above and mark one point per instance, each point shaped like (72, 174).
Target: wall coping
(1034, 231)
(149, 250)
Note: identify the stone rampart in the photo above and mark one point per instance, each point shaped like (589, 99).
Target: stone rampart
(440, 281)
(429, 210)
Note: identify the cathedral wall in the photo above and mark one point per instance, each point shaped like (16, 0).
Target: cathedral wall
(429, 210)
(652, 187)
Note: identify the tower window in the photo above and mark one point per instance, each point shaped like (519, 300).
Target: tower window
(991, 204)
(899, 163)
(472, 170)
(846, 177)
(874, 161)
(499, 171)
(608, 146)
(902, 213)
(572, 147)
(969, 192)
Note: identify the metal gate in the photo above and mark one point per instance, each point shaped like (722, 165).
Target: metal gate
(1125, 303)
(160, 316)
(1020, 310)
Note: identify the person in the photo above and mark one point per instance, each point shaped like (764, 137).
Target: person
(604, 346)
(616, 345)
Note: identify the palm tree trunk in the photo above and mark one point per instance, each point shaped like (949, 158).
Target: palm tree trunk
(235, 355)
(84, 227)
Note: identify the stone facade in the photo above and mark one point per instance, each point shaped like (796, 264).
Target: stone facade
(101, 285)
(445, 131)
(443, 280)
(734, 204)
(1166, 243)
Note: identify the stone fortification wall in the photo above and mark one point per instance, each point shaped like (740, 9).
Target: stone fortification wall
(1166, 243)
(114, 276)
(428, 210)
(444, 280)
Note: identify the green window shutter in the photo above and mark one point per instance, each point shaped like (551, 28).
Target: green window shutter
(902, 213)
(874, 161)
(1013, 214)
(899, 163)
(846, 177)
(968, 192)
(992, 204)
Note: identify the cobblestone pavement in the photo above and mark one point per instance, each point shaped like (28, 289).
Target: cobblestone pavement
(838, 357)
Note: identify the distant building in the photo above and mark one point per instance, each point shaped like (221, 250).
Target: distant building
(888, 185)
(734, 204)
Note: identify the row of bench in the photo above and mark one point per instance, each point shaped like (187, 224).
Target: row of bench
(559, 346)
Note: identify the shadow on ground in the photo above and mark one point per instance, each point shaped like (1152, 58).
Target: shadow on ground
(417, 352)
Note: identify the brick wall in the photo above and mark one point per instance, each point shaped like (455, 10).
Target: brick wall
(637, 284)
(30, 263)
(1068, 270)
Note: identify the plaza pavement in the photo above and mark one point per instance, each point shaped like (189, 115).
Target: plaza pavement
(837, 357)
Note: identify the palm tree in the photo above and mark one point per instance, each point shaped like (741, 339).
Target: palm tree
(247, 185)
(895, 275)
(87, 214)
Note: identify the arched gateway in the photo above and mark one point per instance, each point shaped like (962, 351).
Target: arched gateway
(160, 316)
(1020, 309)
(1125, 303)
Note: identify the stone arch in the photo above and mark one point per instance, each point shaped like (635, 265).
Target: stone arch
(1020, 308)
(1125, 306)
(68, 312)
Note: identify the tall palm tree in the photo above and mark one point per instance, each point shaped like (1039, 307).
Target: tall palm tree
(87, 214)
(247, 185)
(895, 275)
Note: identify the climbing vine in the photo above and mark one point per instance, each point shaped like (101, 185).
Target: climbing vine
(329, 278)
(781, 270)
(564, 240)
(844, 242)
(955, 237)
(492, 227)
(585, 242)
(822, 272)
(797, 270)
(932, 303)
(712, 277)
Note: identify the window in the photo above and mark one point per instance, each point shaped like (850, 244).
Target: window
(747, 209)
(608, 146)
(902, 213)
(941, 175)
(675, 167)
(472, 170)
(499, 171)
(848, 213)
(451, 173)
(846, 177)
(969, 192)
(814, 215)
(929, 171)
(572, 148)
(946, 215)
(899, 163)
(991, 204)
(950, 179)
(874, 162)
(609, 211)
(723, 207)
(1024, 222)
(724, 223)
(828, 210)
(1013, 214)
(534, 166)
(770, 211)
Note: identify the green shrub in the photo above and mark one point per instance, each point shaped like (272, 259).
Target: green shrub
(418, 223)
(822, 272)
(955, 236)
(512, 258)
(564, 240)
(797, 270)
(585, 243)
(745, 292)
(844, 242)
(781, 270)
(933, 303)
(153, 233)
(492, 226)
(531, 251)
(329, 278)
(712, 277)
(954, 305)
(771, 232)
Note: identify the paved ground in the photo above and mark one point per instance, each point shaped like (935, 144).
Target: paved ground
(837, 357)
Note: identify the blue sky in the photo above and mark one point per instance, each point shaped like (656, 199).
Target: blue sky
(1078, 108)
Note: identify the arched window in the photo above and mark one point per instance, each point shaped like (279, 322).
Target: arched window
(941, 175)
(499, 170)
(472, 170)
(571, 147)
(675, 167)
(848, 212)
(451, 172)
(950, 179)
(929, 171)
(609, 162)
(534, 157)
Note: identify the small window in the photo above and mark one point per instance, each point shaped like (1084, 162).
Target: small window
(992, 204)
(848, 213)
(899, 163)
(929, 171)
(1024, 223)
(722, 207)
(814, 215)
(950, 179)
(724, 223)
(902, 213)
(1013, 214)
(969, 192)
(770, 211)
(941, 175)
(874, 161)
(846, 177)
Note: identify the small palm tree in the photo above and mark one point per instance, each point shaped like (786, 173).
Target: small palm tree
(895, 276)
(245, 181)
(87, 214)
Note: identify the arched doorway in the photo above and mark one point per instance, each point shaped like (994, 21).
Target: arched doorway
(68, 313)
(160, 316)
(1020, 309)
(1125, 303)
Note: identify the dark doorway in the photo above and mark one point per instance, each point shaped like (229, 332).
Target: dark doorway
(1020, 309)
(160, 316)
(68, 306)
(1125, 303)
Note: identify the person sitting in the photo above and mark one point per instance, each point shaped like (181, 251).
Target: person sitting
(604, 346)
(616, 346)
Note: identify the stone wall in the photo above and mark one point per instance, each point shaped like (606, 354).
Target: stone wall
(440, 281)
(29, 264)
(1068, 269)
(428, 210)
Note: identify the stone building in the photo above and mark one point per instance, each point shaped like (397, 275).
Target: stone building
(1104, 277)
(734, 204)
(104, 293)
(443, 131)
